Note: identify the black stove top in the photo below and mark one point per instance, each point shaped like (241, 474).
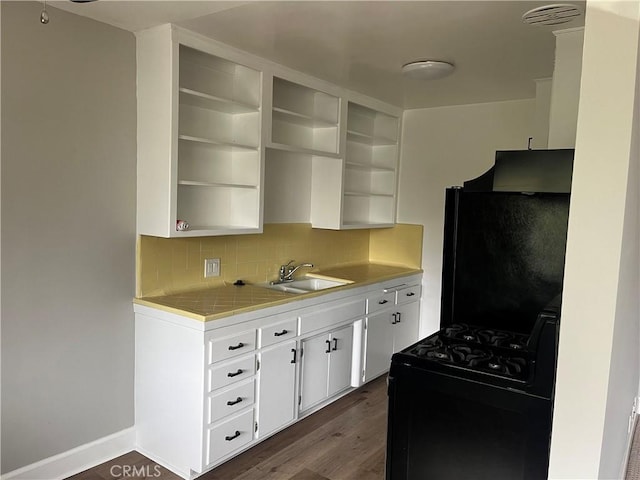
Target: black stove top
(478, 349)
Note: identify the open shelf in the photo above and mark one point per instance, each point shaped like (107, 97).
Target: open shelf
(367, 194)
(211, 205)
(211, 102)
(368, 139)
(218, 143)
(296, 118)
(220, 185)
(301, 150)
(304, 118)
(350, 165)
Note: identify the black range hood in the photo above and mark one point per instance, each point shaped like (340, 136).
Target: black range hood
(547, 171)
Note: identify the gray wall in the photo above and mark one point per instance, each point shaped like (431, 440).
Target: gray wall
(68, 231)
(625, 356)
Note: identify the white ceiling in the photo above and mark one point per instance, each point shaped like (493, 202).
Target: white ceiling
(362, 45)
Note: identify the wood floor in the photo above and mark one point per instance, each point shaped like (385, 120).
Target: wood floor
(343, 441)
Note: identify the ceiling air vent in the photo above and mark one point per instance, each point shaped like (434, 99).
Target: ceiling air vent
(556, 14)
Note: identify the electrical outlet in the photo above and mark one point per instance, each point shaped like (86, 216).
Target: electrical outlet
(211, 267)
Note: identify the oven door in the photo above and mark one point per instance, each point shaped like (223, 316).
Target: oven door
(446, 428)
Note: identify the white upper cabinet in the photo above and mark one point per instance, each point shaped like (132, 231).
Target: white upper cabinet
(199, 159)
(212, 119)
(360, 191)
(304, 119)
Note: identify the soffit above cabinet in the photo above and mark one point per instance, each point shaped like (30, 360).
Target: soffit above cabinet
(362, 45)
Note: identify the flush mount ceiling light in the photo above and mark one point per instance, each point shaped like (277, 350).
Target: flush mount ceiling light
(427, 69)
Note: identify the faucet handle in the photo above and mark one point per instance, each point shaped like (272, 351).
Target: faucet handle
(285, 268)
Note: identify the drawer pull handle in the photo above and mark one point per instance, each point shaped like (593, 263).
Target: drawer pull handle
(395, 318)
(234, 402)
(228, 438)
(382, 302)
(283, 332)
(410, 294)
(328, 350)
(335, 344)
(236, 373)
(235, 347)
(294, 351)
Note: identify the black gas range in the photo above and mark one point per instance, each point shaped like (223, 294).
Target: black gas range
(522, 362)
(475, 399)
(487, 351)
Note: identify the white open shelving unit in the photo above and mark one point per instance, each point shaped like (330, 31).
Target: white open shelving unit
(218, 143)
(304, 119)
(222, 132)
(359, 192)
(199, 149)
(371, 165)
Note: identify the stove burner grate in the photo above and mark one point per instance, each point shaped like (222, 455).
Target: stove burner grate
(497, 352)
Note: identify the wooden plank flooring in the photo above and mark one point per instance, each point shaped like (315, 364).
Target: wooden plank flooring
(343, 441)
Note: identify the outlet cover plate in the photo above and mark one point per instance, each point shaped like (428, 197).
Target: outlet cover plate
(211, 267)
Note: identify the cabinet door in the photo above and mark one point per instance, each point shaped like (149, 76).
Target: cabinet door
(276, 395)
(379, 346)
(315, 370)
(406, 328)
(340, 360)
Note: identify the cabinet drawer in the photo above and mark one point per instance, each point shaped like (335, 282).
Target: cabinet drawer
(278, 332)
(409, 294)
(227, 347)
(380, 301)
(330, 316)
(229, 436)
(231, 401)
(232, 372)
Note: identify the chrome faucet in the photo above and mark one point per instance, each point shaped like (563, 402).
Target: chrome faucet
(286, 271)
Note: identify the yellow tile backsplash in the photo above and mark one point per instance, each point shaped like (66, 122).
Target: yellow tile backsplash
(401, 245)
(175, 265)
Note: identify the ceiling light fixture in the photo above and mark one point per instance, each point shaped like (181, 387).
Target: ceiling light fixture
(427, 69)
(555, 14)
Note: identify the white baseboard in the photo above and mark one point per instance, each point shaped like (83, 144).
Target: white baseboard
(77, 459)
(633, 421)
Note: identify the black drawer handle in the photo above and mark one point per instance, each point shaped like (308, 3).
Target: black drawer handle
(295, 352)
(328, 350)
(228, 438)
(234, 402)
(410, 294)
(335, 344)
(399, 317)
(236, 373)
(382, 302)
(283, 332)
(235, 347)
(395, 318)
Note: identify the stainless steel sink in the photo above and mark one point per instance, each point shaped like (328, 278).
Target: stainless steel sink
(307, 284)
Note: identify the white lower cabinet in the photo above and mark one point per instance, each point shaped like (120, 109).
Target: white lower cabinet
(229, 435)
(277, 387)
(379, 332)
(207, 391)
(326, 366)
(406, 326)
(392, 324)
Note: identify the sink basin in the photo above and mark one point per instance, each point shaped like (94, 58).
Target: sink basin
(307, 284)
